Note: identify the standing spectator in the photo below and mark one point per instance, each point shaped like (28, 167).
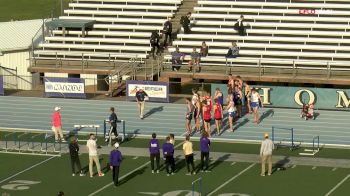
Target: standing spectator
(141, 96)
(167, 30)
(74, 156)
(204, 49)
(255, 101)
(115, 160)
(205, 148)
(154, 41)
(186, 23)
(237, 99)
(187, 148)
(57, 125)
(231, 109)
(154, 152)
(176, 59)
(219, 96)
(247, 93)
(266, 154)
(93, 156)
(233, 51)
(168, 153)
(218, 116)
(230, 84)
(195, 60)
(189, 116)
(113, 122)
(239, 26)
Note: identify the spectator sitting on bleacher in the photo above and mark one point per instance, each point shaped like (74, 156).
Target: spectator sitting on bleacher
(239, 26)
(167, 30)
(154, 41)
(233, 51)
(176, 59)
(185, 21)
(195, 60)
(204, 49)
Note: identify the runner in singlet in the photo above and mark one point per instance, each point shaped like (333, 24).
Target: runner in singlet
(247, 93)
(231, 109)
(218, 116)
(255, 100)
(207, 105)
(189, 116)
(237, 99)
(195, 97)
(219, 96)
(230, 84)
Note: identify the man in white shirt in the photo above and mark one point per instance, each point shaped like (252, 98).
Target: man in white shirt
(93, 156)
(266, 149)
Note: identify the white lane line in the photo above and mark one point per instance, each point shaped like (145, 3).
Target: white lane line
(334, 169)
(336, 186)
(135, 158)
(294, 166)
(29, 168)
(121, 178)
(314, 167)
(233, 163)
(231, 179)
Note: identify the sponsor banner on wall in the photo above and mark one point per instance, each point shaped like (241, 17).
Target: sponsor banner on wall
(294, 97)
(157, 91)
(65, 87)
(2, 85)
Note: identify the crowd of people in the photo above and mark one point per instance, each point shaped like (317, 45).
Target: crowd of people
(203, 108)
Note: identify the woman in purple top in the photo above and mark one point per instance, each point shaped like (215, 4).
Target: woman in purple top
(154, 152)
(168, 153)
(205, 148)
(115, 159)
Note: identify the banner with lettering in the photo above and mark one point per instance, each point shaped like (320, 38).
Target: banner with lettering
(156, 91)
(65, 87)
(294, 97)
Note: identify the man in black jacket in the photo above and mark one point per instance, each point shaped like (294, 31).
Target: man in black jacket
(74, 156)
(186, 22)
(167, 30)
(154, 41)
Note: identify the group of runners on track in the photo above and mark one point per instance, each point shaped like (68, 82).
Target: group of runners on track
(203, 108)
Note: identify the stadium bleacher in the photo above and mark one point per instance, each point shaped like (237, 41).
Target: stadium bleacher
(121, 32)
(279, 34)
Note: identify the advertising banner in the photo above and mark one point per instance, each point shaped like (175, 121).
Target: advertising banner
(294, 97)
(65, 87)
(2, 85)
(156, 91)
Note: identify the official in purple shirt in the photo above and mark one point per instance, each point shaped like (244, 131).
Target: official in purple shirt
(154, 152)
(205, 148)
(115, 160)
(168, 153)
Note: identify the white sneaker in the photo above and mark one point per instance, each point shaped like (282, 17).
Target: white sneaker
(172, 173)
(157, 171)
(152, 171)
(81, 174)
(63, 140)
(73, 174)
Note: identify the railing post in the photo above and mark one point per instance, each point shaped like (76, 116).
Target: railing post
(16, 78)
(329, 70)
(294, 70)
(260, 69)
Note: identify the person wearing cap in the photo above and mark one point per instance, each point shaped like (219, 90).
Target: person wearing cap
(266, 149)
(168, 153)
(93, 156)
(154, 152)
(141, 96)
(115, 160)
(57, 125)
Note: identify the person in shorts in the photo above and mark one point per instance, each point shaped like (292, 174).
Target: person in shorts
(231, 110)
(207, 105)
(237, 99)
(189, 116)
(255, 100)
(218, 116)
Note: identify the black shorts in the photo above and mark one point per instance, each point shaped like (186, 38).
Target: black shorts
(238, 102)
(207, 120)
(189, 116)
